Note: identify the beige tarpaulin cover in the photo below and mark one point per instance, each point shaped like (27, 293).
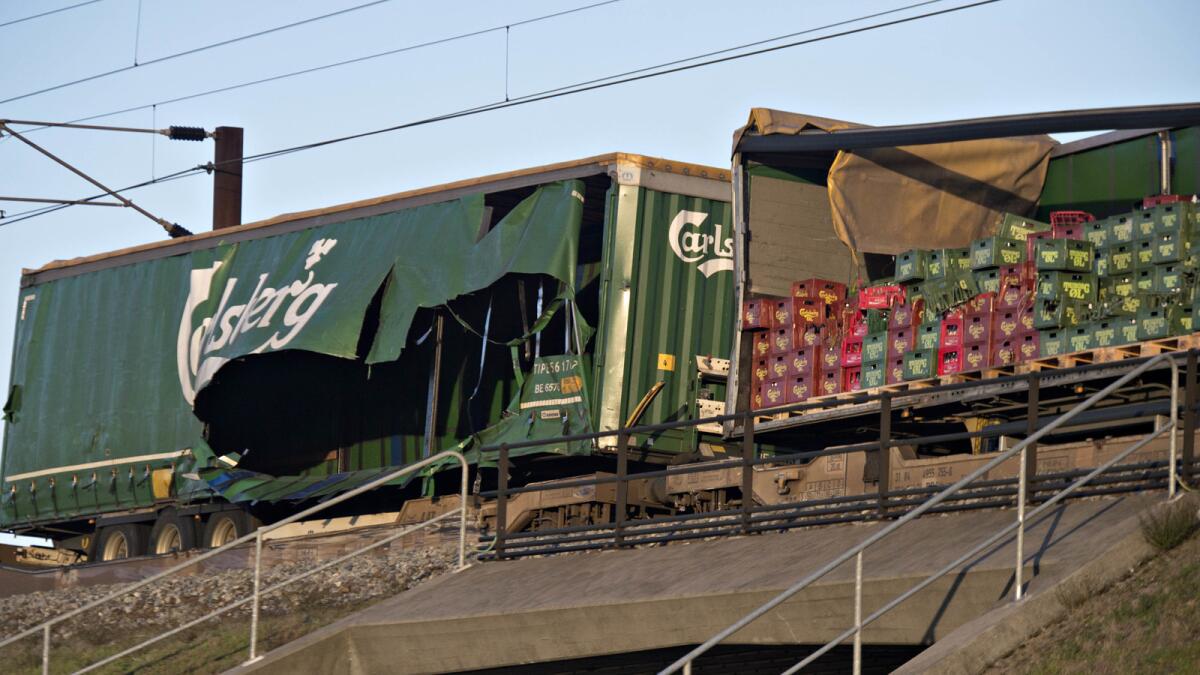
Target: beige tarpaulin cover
(889, 200)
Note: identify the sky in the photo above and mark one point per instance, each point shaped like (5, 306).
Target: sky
(1012, 56)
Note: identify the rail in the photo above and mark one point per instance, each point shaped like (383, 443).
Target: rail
(750, 517)
(257, 536)
(685, 662)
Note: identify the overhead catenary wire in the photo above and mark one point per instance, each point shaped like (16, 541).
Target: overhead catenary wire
(351, 61)
(549, 94)
(196, 50)
(31, 17)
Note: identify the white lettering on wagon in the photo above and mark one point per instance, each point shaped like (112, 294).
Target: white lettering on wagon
(693, 245)
(289, 307)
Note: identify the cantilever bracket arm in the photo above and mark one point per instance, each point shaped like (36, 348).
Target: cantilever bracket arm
(172, 229)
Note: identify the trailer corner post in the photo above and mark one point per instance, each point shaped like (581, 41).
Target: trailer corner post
(227, 177)
(1189, 419)
(622, 505)
(501, 500)
(747, 471)
(884, 462)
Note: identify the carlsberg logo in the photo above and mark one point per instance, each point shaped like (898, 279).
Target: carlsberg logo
(280, 312)
(691, 244)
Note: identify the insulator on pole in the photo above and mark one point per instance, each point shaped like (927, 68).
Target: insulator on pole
(186, 133)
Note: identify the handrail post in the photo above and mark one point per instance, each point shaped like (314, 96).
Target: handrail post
(1173, 447)
(747, 471)
(858, 581)
(258, 539)
(501, 499)
(46, 650)
(1189, 419)
(884, 462)
(1018, 574)
(622, 489)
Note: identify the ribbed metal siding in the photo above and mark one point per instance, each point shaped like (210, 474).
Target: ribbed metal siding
(674, 310)
(1114, 178)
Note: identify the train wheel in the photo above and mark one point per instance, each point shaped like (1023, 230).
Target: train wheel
(117, 542)
(225, 526)
(172, 532)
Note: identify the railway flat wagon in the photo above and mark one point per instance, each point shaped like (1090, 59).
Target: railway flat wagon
(167, 396)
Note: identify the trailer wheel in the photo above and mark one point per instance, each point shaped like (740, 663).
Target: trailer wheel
(172, 532)
(117, 542)
(225, 526)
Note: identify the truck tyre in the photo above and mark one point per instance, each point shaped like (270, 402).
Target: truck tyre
(117, 542)
(225, 526)
(172, 532)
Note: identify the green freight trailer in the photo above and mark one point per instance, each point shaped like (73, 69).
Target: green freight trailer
(160, 394)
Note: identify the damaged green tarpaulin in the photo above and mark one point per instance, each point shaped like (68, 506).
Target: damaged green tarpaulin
(552, 403)
(107, 364)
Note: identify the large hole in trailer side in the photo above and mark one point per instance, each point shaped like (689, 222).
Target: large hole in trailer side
(294, 412)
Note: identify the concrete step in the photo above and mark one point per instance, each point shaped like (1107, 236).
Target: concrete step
(546, 610)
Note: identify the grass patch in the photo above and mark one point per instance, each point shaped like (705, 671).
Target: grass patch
(1166, 527)
(1072, 594)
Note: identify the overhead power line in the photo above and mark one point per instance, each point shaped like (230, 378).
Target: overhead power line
(548, 94)
(53, 11)
(347, 62)
(195, 50)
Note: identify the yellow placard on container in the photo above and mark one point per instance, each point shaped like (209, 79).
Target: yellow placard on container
(666, 362)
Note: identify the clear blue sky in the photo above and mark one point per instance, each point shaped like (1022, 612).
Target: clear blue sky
(1014, 56)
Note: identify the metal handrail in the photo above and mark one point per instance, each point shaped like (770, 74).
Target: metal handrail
(685, 662)
(257, 536)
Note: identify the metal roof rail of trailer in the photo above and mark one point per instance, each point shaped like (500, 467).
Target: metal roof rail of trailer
(624, 168)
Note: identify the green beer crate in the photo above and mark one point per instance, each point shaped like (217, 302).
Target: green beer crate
(872, 374)
(929, 335)
(1168, 278)
(1058, 313)
(1052, 342)
(1104, 333)
(1054, 285)
(912, 265)
(1152, 323)
(1143, 224)
(987, 281)
(874, 347)
(1120, 230)
(1018, 227)
(1120, 259)
(1180, 319)
(1143, 280)
(1096, 232)
(1124, 285)
(957, 260)
(935, 264)
(996, 252)
(1122, 306)
(1170, 247)
(1143, 253)
(1080, 338)
(920, 364)
(1168, 218)
(1069, 255)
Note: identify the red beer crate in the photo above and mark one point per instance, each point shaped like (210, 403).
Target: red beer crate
(831, 359)
(1151, 202)
(1031, 241)
(808, 312)
(983, 304)
(781, 340)
(779, 364)
(805, 362)
(831, 382)
(1004, 351)
(756, 399)
(754, 314)
(828, 292)
(851, 352)
(1067, 231)
(900, 342)
(851, 379)
(762, 370)
(976, 356)
(855, 323)
(798, 388)
(807, 336)
(1065, 218)
(880, 297)
(977, 328)
(762, 344)
(1011, 297)
(1006, 325)
(1029, 347)
(953, 330)
(773, 393)
(895, 370)
(904, 316)
(949, 360)
(1025, 317)
(781, 312)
